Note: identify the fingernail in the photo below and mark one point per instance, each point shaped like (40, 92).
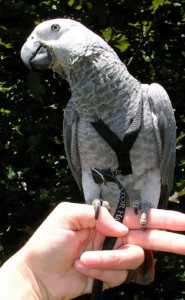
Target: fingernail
(123, 229)
(90, 258)
(79, 266)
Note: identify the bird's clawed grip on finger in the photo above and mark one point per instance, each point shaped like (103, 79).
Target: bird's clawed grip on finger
(97, 203)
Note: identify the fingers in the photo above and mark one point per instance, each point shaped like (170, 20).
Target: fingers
(110, 266)
(157, 219)
(157, 240)
(126, 257)
(81, 216)
(110, 278)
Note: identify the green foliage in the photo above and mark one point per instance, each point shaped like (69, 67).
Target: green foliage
(157, 3)
(148, 36)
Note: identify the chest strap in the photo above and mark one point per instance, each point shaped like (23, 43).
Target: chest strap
(122, 148)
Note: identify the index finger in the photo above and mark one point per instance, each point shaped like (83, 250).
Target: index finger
(157, 219)
(76, 217)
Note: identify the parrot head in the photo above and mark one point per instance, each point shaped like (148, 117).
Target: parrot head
(57, 44)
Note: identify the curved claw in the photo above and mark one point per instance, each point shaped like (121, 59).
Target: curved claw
(96, 204)
(136, 210)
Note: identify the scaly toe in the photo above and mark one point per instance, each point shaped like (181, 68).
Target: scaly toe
(106, 205)
(136, 206)
(143, 221)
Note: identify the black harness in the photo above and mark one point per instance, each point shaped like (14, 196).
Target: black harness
(121, 148)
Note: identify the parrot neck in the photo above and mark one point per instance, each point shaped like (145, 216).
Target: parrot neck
(101, 85)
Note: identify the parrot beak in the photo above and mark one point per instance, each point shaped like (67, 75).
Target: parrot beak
(35, 55)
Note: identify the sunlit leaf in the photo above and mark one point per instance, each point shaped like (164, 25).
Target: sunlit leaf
(107, 34)
(78, 7)
(181, 193)
(5, 111)
(180, 138)
(157, 3)
(181, 184)
(71, 2)
(6, 45)
(4, 89)
(123, 45)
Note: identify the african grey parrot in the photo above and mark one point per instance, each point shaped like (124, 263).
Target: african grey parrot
(103, 92)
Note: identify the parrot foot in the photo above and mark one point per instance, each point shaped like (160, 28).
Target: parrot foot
(143, 221)
(136, 206)
(144, 213)
(97, 203)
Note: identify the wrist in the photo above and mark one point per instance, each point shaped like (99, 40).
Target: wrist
(18, 282)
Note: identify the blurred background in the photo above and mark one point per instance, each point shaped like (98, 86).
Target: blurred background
(149, 38)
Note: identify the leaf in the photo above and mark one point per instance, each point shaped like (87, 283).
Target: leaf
(123, 45)
(17, 129)
(107, 34)
(54, 7)
(180, 138)
(11, 174)
(120, 41)
(58, 141)
(5, 111)
(181, 184)
(157, 3)
(71, 2)
(181, 193)
(174, 198)
(6, 45)
(77, 6)
(6, 89)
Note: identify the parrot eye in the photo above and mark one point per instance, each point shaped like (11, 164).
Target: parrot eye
(55, 27)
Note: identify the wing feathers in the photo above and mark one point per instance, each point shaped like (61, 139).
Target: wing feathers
(70, 133)
(165, 126)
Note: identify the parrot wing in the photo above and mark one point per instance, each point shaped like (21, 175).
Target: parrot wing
(70, 128)
(165, 130)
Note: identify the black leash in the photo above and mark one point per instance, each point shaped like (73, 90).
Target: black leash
(101, 176)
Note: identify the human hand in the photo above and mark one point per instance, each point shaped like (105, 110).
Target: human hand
(155, 237)
(54, 250)
(59, 256)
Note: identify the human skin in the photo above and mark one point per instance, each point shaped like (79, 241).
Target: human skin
(63, 256)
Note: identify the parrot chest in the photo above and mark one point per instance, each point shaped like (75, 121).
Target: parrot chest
(96, 152)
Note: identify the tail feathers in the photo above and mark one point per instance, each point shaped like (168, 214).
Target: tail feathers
(145, 273)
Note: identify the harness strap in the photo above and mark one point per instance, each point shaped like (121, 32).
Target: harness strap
(107, 134)
(128, 141)
(102, 176)
(121, 148)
